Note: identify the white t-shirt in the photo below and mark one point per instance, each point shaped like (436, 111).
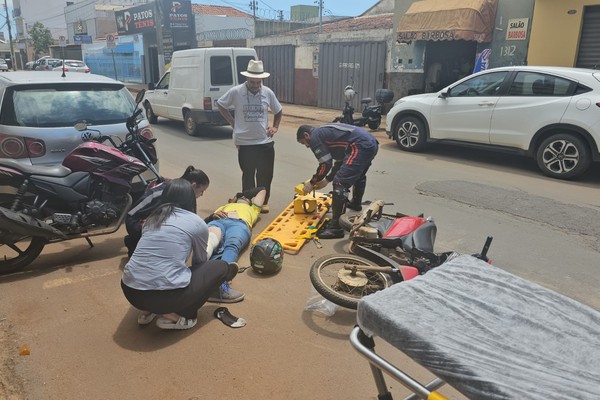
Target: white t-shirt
(251, 113)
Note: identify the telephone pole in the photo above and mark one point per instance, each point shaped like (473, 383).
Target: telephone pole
(253, 7)
(320, 3)
(12, 50)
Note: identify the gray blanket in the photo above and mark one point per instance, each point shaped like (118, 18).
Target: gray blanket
(490, 334)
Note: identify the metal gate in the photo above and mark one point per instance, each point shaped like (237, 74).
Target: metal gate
(589, 44)
(340, 64)
(279, 62)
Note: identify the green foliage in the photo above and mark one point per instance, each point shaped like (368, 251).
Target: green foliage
(41, 38)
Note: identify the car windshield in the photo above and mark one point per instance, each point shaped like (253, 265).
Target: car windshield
(65, 105)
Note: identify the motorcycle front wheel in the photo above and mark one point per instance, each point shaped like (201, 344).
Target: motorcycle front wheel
(345, 287)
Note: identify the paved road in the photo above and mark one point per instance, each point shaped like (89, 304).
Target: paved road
(85, 343)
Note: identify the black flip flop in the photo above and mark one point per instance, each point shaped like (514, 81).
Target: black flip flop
(223, 314)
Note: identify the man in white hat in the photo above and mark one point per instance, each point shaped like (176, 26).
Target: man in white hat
(252, 134)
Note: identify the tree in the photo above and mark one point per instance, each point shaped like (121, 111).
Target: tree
(41, 38)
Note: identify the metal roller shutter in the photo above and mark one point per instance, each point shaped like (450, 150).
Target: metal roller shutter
(589, 45)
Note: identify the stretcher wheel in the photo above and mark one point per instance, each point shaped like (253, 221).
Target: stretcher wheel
(336, 284)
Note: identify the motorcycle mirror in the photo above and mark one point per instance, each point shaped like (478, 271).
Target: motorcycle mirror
(140, 96)
(81, 126)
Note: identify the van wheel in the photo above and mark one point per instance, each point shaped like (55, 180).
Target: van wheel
(191, 127)
(152, 118)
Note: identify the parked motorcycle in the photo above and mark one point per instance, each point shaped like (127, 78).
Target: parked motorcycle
(385, 249)
(88, 195)
(371, 114)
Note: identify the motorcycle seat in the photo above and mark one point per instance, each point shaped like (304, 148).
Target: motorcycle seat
(366, 100)
(56, 170)
(421, 238)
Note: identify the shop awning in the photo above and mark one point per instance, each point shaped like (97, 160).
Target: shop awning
(448, 20)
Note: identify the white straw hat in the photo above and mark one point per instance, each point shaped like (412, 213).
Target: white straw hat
(255, 70)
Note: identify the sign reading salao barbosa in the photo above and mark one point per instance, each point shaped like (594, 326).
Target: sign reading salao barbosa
(517, 29)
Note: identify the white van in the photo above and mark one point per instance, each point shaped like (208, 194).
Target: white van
(189, 90)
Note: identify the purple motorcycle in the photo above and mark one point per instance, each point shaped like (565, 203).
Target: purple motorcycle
(87, 195)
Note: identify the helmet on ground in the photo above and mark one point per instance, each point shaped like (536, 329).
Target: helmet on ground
(266, 256)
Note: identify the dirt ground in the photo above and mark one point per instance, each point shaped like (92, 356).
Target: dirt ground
(84, 342)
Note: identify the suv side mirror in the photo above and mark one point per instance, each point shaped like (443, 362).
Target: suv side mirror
(151, 86)
(444, 94)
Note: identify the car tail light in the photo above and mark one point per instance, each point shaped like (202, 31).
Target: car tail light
(147, 133)
(208, 103)
(598, 104)
(87, 70)
(65, 69)
(21, 147)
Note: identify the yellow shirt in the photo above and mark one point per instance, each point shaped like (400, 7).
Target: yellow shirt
(247, 213)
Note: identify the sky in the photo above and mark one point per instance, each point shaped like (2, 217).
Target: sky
(330, 7)
(265, 9)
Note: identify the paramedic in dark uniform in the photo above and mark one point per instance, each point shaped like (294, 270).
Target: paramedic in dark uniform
(353, 149)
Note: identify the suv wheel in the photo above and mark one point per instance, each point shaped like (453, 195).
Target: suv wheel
(563, 156)
(410, 133)
(191, 127)
(152, 118)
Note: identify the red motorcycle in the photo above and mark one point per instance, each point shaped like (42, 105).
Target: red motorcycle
(87, 195)
(385, 249)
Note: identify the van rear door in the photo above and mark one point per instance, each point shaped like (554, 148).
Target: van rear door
(222, 68)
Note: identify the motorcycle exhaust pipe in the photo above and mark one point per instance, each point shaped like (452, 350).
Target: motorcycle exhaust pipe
(26, 225)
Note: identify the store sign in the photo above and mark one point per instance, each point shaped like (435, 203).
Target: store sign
(177, 14)
(427, 35)
(79, 39)
(136, 19)
(517, 29)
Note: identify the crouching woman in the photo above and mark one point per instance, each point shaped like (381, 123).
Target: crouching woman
(156, 279)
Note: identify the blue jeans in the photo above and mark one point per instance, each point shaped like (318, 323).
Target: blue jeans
(235, 238)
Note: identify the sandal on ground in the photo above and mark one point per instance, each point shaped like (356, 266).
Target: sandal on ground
(146, 317)
(223, 314)
(180, 324)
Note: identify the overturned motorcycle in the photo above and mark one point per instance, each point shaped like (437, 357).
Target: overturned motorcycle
(87, 195)
(385, 249)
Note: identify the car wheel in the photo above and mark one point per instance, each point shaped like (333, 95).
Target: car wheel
(563, 156)
(152, 118)
(410, 133)
(191, 127)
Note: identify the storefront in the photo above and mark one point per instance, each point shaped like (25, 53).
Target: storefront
(448, 32)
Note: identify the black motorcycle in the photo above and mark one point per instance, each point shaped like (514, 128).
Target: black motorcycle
(371, 114)
(89, 194)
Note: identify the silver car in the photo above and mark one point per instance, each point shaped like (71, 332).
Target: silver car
(3, 65)
(71, 66)
(39, 111)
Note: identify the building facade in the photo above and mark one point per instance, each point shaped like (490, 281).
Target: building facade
(566, 33)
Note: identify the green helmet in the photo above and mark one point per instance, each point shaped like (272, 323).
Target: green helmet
(266, 256)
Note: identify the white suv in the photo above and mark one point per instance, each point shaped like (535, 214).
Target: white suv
(549, 113)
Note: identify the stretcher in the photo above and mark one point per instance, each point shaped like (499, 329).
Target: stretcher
(292, 229)
(487, 333)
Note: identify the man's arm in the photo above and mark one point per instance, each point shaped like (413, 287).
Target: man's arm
(276, 120)
(227, 115)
